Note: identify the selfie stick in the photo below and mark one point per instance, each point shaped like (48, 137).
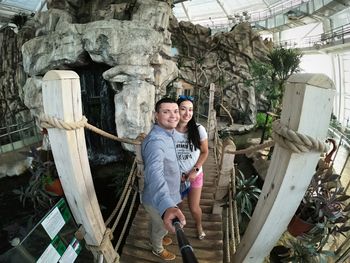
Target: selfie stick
(184, 246)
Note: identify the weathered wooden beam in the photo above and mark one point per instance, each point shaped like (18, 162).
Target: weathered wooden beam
(225, 169)
(307, 106)
(62, 100)
(211, 125)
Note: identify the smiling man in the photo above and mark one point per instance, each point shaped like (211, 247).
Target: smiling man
(162, 177)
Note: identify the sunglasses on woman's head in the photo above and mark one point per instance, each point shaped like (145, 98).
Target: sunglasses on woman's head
(184, 97)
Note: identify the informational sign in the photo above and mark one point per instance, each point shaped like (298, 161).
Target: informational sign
(52, 240)
(57, 251)
(53, 223)
(71, 252)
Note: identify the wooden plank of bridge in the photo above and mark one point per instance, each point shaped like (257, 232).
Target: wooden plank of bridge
(208, 250)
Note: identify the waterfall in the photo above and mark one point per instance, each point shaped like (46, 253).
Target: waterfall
(98, 106)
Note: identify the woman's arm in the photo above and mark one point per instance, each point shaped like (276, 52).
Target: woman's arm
(201, 159)
(203, 155)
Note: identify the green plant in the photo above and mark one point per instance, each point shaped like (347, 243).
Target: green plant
(325, 198)
(265, 125)
(246, 195)
(305, 252)
(43, 172)
(324, 205)
(268, 77)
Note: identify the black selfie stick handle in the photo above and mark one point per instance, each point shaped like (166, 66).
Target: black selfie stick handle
(184, 246)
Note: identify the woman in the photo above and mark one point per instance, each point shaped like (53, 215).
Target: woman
(191, 144)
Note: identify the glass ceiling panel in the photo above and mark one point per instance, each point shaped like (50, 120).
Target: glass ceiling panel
(29, 5)
(213, 12)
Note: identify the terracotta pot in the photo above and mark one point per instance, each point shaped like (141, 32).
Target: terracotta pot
(297, 226)
(55, 187)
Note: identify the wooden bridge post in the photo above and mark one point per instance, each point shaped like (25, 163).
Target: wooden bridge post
(307, 106)
(211, 114)
(179, 89)
(140, 165)
(62, 100)
(226, 168)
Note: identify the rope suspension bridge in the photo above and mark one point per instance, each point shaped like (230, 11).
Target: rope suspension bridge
(223, 242)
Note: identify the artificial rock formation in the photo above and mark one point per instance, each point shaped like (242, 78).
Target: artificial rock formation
(137, 49)
(132, 40)
(12, 77)
(222, 59)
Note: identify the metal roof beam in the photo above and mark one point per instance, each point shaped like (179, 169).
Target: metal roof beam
(179, 1)
(186, 12)
(223, 8)
(15, 9)
(267, 4)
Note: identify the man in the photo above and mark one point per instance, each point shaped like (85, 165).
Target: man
(161, 192)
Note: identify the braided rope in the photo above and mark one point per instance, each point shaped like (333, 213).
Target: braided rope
(52, 122)
(288, 139)
(296, 142)
(107, 236)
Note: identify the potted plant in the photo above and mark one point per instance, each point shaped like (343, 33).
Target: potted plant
(323, 208)
(40, 191)
(301, 251)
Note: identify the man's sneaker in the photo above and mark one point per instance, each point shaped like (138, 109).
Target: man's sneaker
(167, 241)
(165, 255)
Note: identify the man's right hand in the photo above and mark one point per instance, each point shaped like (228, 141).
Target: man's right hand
(170, 214)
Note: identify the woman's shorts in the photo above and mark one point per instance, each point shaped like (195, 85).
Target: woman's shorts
(198, 181)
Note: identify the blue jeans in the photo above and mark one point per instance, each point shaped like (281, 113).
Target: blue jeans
(156, 228)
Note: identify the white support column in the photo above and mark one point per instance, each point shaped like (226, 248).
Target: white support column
(307, 106)
(62, 100)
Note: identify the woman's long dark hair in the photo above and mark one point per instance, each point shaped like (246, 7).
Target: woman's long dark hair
(192, 129)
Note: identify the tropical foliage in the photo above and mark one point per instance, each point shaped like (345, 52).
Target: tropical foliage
(246, 196)
(306, 252)
(264, 122)
(268, 77)
(43, 171)
(325, 205)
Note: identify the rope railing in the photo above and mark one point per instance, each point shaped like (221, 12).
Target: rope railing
(126, 223)
(52, 122)
(120, 209)
(129, 182)
(288, 139)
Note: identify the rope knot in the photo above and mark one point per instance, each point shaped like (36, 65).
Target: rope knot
(107, 236)
(52, 122)
(296, 142)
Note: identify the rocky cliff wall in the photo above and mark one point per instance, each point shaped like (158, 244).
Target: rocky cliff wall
(222, 59)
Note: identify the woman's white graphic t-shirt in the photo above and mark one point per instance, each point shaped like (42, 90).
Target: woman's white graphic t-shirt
(187, 158)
